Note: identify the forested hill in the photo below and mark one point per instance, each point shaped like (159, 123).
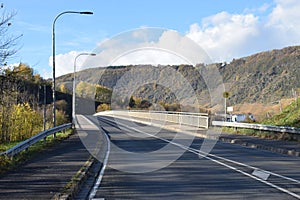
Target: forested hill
(263, 77)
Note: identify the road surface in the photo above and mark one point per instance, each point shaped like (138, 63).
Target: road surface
(228, 172)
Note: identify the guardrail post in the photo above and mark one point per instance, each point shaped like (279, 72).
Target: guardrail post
(179, 119)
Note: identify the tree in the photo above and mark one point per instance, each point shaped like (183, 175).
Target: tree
(23, 122)
(103, 94)
(61, 117)
(103, 107)
(19, 119)
(62, 105)
(131, 102)
(85, 90)
(23, 71)
(80, 89)
(8, 42)
(63, 88)
(145, 104)
(138, 102)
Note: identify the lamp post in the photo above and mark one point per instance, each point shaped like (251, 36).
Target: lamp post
(74, 83)
(225, 95)
(53, 56)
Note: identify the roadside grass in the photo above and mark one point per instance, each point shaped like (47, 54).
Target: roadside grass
(262, 134)
(5, 146)
(290, 116)
(10, 163)
(81, 175)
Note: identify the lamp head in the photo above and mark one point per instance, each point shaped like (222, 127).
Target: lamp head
(86, 13)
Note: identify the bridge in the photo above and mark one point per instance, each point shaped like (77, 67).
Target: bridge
(152, 155)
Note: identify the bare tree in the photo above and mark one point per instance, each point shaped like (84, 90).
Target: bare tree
(8, 42)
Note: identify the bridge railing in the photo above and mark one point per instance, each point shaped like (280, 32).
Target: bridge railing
(200, 120)
(30, 141)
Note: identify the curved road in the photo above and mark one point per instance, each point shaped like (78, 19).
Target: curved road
(228, 172)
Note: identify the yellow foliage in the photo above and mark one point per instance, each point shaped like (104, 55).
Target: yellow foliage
(24, 71)
(86, 90)
(61, 117)
(103, 107)
(63, 88)
(24, 122)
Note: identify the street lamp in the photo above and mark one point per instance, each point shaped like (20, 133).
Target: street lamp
(74, 83)
(53, 56)
(225, 95)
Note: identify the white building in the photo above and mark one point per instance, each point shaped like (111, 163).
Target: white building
(241, 117)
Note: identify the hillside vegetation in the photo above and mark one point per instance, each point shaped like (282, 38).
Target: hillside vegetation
(261, 78)
(290, 116)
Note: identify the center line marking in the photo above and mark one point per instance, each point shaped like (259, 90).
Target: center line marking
(261, 174)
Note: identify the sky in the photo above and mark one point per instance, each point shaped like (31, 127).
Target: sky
(224, 29)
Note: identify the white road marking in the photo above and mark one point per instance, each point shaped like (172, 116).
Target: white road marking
(261, 174)
(99, 178)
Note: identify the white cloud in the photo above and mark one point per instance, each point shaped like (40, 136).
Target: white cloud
(33, 27)
(148, 46)
(46, 73)
(264, 7)
(64, 63)
(284, 20)
(226, 36)
(223, 36)
(10, 66)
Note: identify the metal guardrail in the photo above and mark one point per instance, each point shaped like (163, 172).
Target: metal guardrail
(30, 141)
(282, 129)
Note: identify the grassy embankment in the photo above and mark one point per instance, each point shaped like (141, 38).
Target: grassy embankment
(290, 116)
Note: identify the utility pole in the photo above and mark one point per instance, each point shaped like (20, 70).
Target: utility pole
(45, 102)
(44, 108)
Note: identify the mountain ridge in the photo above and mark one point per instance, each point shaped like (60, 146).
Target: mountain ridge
(262, 77)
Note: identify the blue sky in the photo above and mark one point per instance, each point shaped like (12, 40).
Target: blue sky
(226, 29)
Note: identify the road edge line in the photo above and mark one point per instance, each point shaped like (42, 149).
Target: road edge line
(93, 192)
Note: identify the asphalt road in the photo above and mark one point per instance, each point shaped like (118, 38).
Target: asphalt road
(228, 172)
